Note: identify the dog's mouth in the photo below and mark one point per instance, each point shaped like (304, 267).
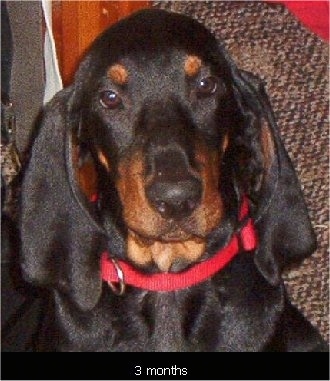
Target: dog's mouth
(172, 249)
(172, 253)
(168, 231)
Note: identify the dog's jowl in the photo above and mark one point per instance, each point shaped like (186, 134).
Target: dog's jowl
(159, 205)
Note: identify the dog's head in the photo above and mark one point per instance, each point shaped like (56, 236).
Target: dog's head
(175, 136)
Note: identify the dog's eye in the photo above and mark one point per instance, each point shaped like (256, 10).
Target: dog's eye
(206, 86)
(110, 99)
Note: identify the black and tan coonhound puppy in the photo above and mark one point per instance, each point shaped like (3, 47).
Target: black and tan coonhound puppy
(174, 236)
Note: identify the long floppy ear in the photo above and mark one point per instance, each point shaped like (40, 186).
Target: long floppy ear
(60, 238)
(282, 221)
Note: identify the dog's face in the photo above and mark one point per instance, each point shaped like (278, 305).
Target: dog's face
(160, 119)
(179, 136)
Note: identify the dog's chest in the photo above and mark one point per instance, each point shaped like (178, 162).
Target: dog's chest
(138, 321)
(224, 314)
(168, 321)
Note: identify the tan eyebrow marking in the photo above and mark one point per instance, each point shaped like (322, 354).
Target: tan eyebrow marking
(192, 65)
(118, 74)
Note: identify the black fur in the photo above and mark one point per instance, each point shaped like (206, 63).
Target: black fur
(244, 307)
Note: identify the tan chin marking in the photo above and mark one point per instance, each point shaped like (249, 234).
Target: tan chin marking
(163, 254)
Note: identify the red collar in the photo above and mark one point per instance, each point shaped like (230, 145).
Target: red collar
(121, 273)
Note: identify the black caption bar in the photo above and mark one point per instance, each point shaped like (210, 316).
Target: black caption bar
(145, 366)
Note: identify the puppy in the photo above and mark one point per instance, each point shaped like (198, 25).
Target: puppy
(176, 238)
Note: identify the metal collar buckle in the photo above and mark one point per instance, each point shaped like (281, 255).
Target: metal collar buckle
(120, 288)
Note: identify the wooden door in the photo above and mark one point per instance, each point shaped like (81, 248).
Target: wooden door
(77, 23)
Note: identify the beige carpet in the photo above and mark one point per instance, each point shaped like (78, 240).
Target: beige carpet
(269, 41)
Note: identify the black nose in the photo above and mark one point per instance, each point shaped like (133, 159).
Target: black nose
(175, 200)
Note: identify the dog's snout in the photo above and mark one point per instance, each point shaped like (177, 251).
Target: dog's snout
(175, 190)
(175, 199)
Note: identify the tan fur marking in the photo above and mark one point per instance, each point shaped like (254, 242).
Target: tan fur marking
(225, 143)
(86, 175)
(164, 254)
(118, 74)
(267, 145)
(212, 206)
(192, 66)
(137, 212)
(103, 160)
(87, 179)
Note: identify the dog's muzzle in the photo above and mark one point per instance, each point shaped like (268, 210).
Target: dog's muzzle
(174, 189)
